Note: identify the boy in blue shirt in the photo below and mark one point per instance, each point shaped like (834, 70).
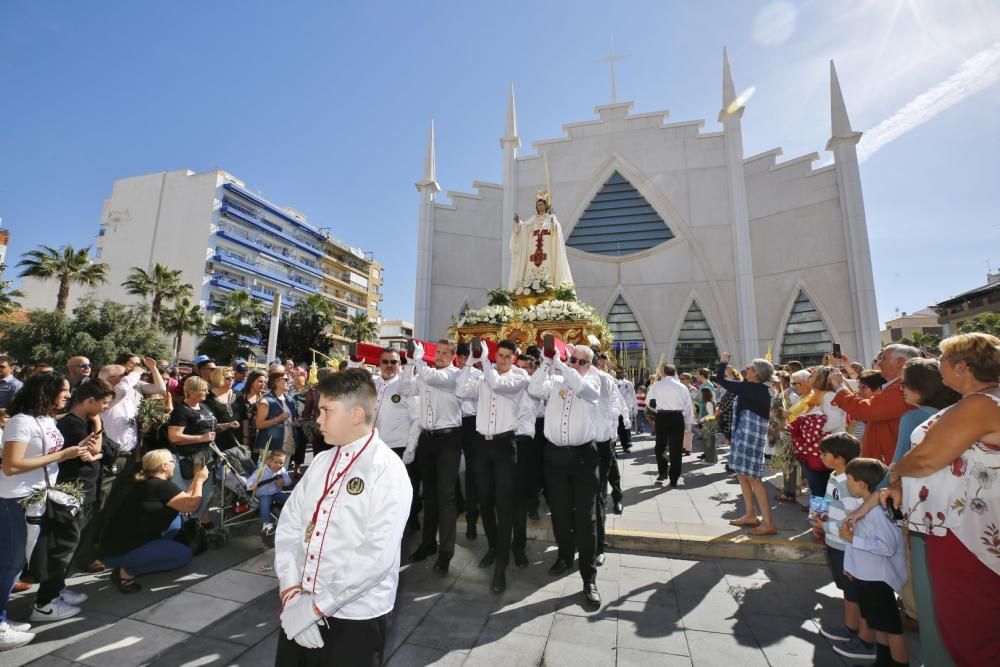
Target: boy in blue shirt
(853, 637)
(272, 484)
(874, 557)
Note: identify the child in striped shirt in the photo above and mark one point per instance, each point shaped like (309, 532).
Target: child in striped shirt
(852, 637)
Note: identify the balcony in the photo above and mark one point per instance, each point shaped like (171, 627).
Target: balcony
(274, 210)
(247, 241)
(233, 284)
(248, 215)
(289, 280)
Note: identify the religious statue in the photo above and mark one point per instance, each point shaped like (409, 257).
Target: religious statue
(537, 248)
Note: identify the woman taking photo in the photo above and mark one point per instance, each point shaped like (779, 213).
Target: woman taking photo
(948, 486)
(746, 456)
(812, 418)
(191, 428)
(32, 448)
(277, 416)
(140, 539)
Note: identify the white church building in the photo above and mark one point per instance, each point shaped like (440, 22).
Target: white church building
(687, 246)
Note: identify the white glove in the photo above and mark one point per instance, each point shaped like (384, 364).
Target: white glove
(418, 351)
(409, 454)
(310, 637)
(298, 616)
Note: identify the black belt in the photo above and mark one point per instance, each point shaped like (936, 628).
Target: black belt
(442, 431)
(669, 412)
(592, 443)
(498, 436)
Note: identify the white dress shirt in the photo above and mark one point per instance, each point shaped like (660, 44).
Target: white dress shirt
(119, 418)
(529, 409)
(627, 390)
(877, 552)
(435, 387)
(350, 563)
(571, 411)
(609, 407)
(670, 394)
(471, 403)
(497, 396)
(392, 415)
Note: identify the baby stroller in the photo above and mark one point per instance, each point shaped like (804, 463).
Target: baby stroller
(238, 503)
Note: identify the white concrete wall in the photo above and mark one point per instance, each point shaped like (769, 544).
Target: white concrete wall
(796, 227)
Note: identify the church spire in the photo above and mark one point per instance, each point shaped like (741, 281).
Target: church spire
(840, 124)
(429, 178)
(730, 105)
(510, 130)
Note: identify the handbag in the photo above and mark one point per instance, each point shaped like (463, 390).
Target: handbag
(52, 504)
(187, 466)
(192, 534)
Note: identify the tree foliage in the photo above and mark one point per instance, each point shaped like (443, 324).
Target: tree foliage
(985, 323)
(361, 328)
(926, 342)
(161, 283)
(8, 297)
(304, 328)
(184, 317)
(99, 330)
(233, 334)
(67, 266)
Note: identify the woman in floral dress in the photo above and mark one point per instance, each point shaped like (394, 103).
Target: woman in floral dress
(948, 486)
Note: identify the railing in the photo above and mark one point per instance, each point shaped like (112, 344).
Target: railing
(241, 212)
(267, 294)
(278, 253)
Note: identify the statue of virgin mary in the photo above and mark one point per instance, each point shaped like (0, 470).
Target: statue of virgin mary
(537, 248)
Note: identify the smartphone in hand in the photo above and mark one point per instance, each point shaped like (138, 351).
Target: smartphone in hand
(411, 348)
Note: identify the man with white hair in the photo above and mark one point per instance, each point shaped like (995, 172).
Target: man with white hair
(571, 460)
(881, 412)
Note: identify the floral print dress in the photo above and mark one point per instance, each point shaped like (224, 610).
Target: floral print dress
(963, 497)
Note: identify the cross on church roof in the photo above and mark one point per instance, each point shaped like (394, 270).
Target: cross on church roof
(611, 59)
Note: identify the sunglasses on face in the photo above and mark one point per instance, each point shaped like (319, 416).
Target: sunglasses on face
(83, 365)
(573, 361)
(390, 362)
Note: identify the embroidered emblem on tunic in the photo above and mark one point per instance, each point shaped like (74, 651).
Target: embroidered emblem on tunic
(355, 485)
(396, 398)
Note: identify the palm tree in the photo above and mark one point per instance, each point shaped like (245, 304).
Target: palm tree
(316, 304)
(161, 283)
(8, 296)
(183, 318)
(361, 328)
(241, 305)
(67, 265)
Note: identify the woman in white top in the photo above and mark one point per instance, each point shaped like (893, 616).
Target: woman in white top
(32, 445)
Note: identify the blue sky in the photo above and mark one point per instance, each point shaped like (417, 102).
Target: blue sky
(324, 106)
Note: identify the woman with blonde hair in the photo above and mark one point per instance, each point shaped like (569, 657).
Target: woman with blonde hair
(191, 428)
(140, 535)
(224, 404)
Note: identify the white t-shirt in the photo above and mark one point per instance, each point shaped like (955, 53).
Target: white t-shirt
(24, 428)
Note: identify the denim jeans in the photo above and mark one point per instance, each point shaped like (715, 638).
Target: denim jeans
(206, 489)
(267, 501)
(13, 536)
(160, 555)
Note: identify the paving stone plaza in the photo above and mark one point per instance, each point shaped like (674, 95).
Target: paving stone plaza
(680, 587)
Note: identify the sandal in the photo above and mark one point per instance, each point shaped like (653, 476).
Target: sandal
(745, 522)
(785, 499)
(126, 586)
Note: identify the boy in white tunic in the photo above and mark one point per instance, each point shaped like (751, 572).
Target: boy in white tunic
(337, 546)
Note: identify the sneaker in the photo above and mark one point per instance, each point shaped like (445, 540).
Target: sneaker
(11, 638)
(18, 627)
(53, 611)
(72, 597)
(838, 632)
(855, 648)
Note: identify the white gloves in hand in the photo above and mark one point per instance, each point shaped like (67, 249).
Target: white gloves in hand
(418, 351)
(300, 621)
(409, 455)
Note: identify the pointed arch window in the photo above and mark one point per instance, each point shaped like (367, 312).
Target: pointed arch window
(630, 344)
(696, 346)
(618, 222)
(806, 337)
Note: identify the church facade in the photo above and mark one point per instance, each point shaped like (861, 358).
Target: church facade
(688, 247)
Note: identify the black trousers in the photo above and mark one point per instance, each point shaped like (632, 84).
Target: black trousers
(439, 456)
(571, 479)
(53, 554)
(534, 464)
(607, 472)
(345, 642)
(669, 439)
(525, 494)
(115, 490)
(469, 437)
(413, 472)
(496, 468)
(86, 550)
(624, 434)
